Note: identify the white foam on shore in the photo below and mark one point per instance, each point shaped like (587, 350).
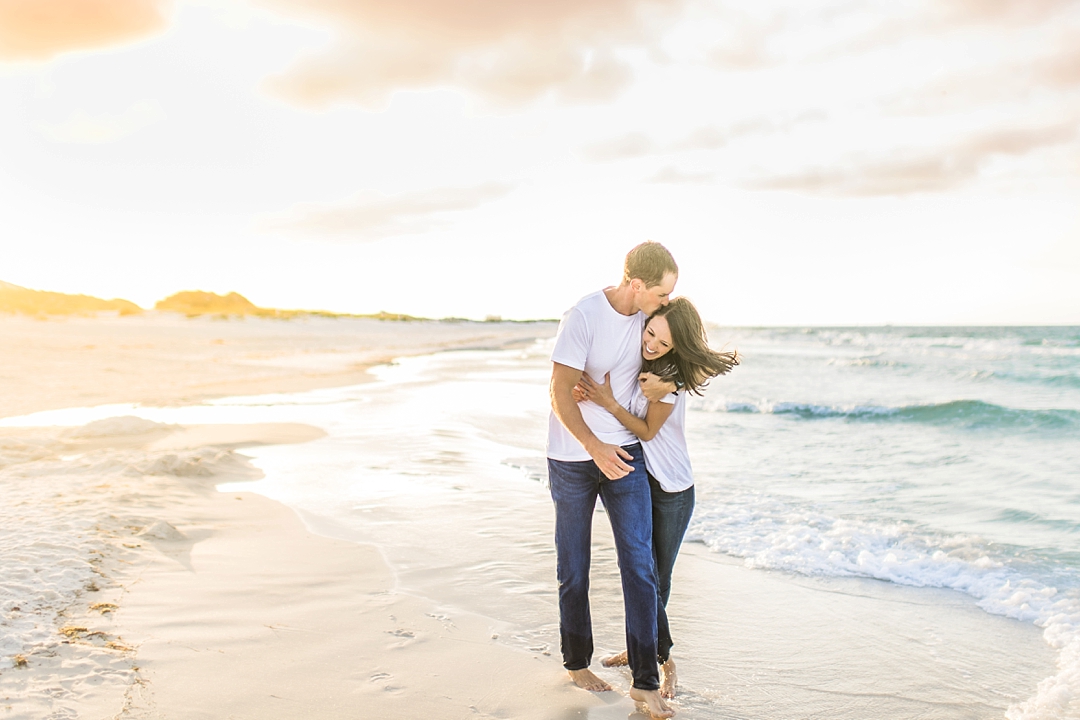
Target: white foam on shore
(769, 533)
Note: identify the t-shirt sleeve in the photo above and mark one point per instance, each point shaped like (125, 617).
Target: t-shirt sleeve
(671, 397)
(572, 340)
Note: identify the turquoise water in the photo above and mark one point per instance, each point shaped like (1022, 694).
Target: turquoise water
(968, 436)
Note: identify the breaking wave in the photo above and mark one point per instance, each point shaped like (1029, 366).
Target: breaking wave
(957, 413)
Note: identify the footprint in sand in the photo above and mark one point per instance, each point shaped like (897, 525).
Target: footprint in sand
(402, 633)
(383, 678)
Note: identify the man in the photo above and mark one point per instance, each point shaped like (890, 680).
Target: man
(590, 453)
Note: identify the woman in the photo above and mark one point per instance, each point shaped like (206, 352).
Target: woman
(675, 347)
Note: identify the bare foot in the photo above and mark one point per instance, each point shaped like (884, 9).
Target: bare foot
(668, 679)
(652, 700)
(619, 660)
(587, 680)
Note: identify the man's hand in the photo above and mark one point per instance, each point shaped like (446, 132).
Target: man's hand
(653, 388)
(609, 458)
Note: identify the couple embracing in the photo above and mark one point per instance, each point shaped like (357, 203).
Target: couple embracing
(625, 359)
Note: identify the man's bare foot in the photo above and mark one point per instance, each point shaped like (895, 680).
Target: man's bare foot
(668, 679)
(652, 700)
(586, 680)
(619, 660)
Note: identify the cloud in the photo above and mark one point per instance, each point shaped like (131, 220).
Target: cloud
(1055, 69)
(922, 172)
(964, 12)
(42, 29)
(627, 147)
(371, 216)
(1061, 69)
(506, 53)
(83, 128)
(671, 175)
(707, 137)
(903, 22)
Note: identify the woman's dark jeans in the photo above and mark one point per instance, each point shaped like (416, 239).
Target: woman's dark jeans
(670, 515)
(574, 488)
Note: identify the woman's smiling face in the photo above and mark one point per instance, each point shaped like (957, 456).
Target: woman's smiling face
(656, 340)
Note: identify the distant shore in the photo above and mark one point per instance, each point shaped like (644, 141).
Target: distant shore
(43, 304)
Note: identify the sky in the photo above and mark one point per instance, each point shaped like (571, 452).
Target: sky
(830, 163)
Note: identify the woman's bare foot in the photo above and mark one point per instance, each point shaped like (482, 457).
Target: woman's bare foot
(668, 679)
(586, 680)
(619, 660)
(652, 700)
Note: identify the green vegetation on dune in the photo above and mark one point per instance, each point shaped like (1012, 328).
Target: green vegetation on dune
(15, 299)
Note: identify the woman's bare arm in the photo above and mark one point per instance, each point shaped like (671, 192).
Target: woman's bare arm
(644, 428)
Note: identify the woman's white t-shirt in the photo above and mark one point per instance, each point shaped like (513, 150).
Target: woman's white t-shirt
(666, 456)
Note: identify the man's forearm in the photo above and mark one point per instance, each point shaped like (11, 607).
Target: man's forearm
(569, 414)
(610, 459)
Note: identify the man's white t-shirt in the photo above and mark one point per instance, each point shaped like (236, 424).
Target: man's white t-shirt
(667, 457)
(594, 337)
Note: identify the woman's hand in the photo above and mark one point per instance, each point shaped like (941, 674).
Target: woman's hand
(579, 393)
(599, 393)
(653, 388)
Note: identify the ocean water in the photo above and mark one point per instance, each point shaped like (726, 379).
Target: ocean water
(922, 478)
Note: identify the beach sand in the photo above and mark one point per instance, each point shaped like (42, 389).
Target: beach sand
(190, 602)
(168, 359)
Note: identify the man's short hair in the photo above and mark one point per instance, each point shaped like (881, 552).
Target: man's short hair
(649, 262)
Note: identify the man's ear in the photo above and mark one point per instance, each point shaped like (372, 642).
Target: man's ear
(637, 285)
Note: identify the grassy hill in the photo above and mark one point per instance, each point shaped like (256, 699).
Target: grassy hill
(194, 303)
(15, 299)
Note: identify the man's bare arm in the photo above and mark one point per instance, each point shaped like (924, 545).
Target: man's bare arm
(653, 388)
(609, 458)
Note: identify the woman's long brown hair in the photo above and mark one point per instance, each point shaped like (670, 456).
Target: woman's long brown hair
(691, 363)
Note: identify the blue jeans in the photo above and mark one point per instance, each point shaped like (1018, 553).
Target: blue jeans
(670, 515)
(574, 489)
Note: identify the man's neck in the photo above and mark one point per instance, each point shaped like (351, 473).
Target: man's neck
(621, 299)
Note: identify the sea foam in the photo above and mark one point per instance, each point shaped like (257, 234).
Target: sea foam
(770, 533)
(973, 414)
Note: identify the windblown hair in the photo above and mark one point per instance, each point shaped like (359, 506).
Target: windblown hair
(649, 262)
(691, 363)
